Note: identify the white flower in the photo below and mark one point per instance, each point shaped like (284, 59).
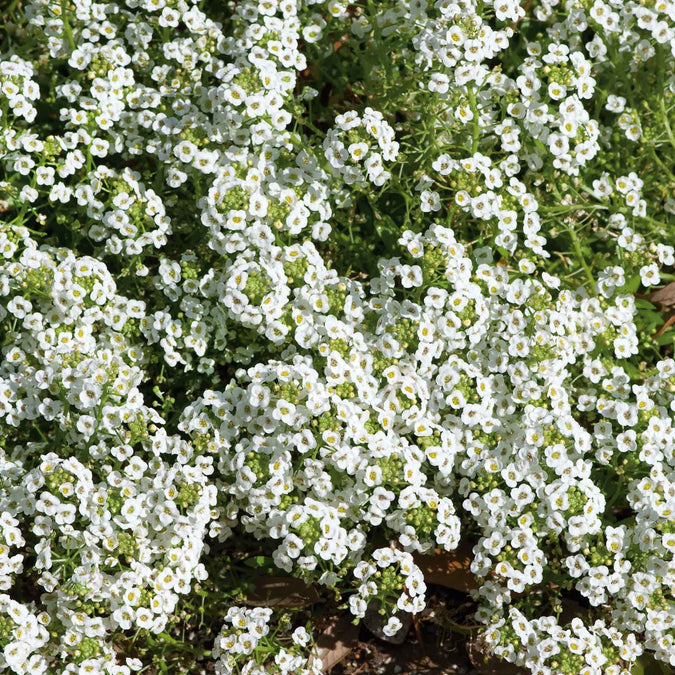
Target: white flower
(392, 626)
(430, 201)
(649, 275)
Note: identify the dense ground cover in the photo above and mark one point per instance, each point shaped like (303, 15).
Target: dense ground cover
(310, 288)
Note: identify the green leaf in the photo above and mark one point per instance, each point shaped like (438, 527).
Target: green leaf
(641, 303)
(665, 339)
(648, 665)
(631, 285)
(258, 561)
(386, 229)
(632, 370)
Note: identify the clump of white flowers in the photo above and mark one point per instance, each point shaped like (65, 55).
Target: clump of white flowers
(246, 631)
(357, 147)
(395, 579)
(18, 89)
(321, 286)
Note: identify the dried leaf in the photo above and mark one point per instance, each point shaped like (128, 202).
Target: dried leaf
(272, 591)
(336, 642)
(664, 296)
(451, 569)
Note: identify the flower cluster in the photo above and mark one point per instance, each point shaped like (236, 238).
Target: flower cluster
(347, 147)
(19, 90)
(246, 634)
(333, 284)
(394, 579)
(23, 635)
(541, 644)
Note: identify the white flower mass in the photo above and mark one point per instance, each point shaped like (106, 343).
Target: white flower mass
(346, 283)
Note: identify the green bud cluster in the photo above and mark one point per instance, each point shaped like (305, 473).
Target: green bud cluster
(91, 607)
(577, 501)
(404, 401)
(639, 559)
(372, 426)
(37, 282)
(188, 496)
(389, 581)
(278, 211)
(463, 180)
(248, 80)
(336, 298)
(294, 270)
(77, 589)
(131, 329)
(88, 648)
(326, 422)
(382, 362)
(257, 287)
(115, 501)
(559, 73)
(309, 531)
(196, 135)
(100, 65)
(358, 135)
(435, 263)
(288, 391)
(235, 198)
(598, 554)
(665, 527)
(423, 519)
(259, 464)
(468, 315)
(286, 501)
(658, 601)
(483, 482)
(467, 387)
(190, 269)
(425, 442)
(566, 662)
(127, 545)
(392, 469)
(341, 347)
(7, 627)
(510, 97)
(138, 429)
(345, 390)
(55, 479)
(201, 442)
(270, 36)
(405, 331)
(538, 302)
(539, 353)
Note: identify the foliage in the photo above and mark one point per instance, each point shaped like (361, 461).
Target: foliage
(317, 286)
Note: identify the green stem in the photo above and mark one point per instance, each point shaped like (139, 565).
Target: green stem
(660, 163)
(10, 10)
(656, 222)
(384, 58)
(67, 32)
(573, 207)
(581, 258)
(666, 123)
(461, 629)
(476, 127)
